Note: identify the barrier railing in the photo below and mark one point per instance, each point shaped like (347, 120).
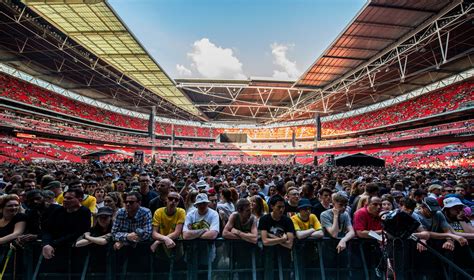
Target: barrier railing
(231, 259)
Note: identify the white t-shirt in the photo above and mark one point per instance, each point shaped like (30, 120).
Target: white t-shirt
(194, 221)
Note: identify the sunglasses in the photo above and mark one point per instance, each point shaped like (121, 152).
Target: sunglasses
(173, 199)
(130, 201)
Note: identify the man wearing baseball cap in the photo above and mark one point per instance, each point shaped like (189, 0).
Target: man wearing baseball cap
(201, 222)
(454, 211)
(433, 220)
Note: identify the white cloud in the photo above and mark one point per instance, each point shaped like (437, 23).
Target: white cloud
(288, 68)
(183, 71)
(215, 62)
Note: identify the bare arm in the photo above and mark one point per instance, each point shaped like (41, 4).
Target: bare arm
(289, 242)
(334, 229)
(18, 230)
(192, 234)
(303, 234)
(227, 232)
(209, 234)
(267, 241)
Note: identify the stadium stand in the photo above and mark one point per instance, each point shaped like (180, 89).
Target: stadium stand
(441, 101)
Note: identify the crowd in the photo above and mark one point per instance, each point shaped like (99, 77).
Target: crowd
(64, 205)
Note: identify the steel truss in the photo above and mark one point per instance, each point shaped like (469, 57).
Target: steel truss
(229, 95)
(437, 29)
(97, 67)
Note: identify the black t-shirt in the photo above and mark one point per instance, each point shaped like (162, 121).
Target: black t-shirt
(10, 227)
(63, 228)
(318, 209)
(277, 228)
(290, 210)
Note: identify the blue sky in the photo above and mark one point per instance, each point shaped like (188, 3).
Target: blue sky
(235, 39)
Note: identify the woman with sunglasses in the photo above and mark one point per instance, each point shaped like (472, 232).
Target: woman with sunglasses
(12, 222)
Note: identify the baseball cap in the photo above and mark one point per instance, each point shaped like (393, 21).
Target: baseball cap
(105, 211)
(304, 203)
(201, 198)
(432, 204)
(451, 202)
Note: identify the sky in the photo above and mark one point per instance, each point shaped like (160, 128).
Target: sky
(236, 39)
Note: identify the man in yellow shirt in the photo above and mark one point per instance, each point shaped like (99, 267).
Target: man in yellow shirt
(168, 223)
(305, 223)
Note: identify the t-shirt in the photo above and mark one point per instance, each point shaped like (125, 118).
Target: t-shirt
(436, 223)
(312, 222)
(247, 226)
(277, 228)
(167, 224)
(10, 227)
(156, 203)
(64, 227)
(363, 220)
(210, 220)
(318, 209)
(290, 210)
(344, 222)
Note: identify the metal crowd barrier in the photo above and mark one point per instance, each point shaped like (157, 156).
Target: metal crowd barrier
(229, 259)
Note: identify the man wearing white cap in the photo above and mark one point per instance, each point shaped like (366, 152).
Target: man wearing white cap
(202, 222)
(454, 211)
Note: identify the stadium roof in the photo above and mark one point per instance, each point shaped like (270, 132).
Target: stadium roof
(389, 49)
(97, 28)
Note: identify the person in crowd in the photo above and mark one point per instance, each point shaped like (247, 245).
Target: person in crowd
(100, 233)
(225, 207)
(168, 223)
(434, 191)
(387, 202)
(367, 219)
(114, 201)
(35, 207)
(433, 220)
(456, 217)
(121, 185)
(337, 223)
(201, 222)
(307, 191)
(291, 202)
(371, 189)
(99, 194)
(66, 223)
(256, 207)
(12, 222)
(306, 224)
(277, 228)
(56, 188)
(242, 224)
(324, 197)
(160, 201)
(133, 223)
(145, 190)
(190, 200)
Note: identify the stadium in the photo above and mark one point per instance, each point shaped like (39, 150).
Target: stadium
(80, 92)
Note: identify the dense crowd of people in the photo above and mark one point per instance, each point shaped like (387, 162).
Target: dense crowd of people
(64, 205)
